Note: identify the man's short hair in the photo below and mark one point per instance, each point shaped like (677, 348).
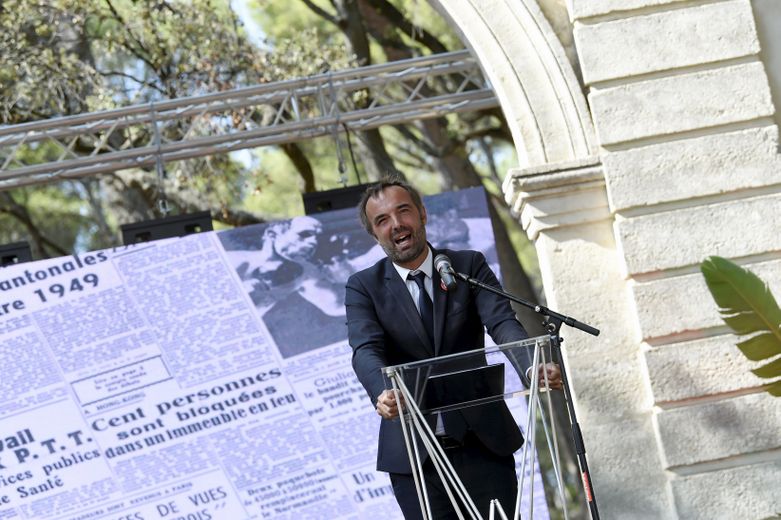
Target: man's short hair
(375, 189)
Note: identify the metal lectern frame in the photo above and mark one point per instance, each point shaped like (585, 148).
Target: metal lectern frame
(462, 380)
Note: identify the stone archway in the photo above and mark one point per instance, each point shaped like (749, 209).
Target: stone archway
(685, 165)
(541, 98)
(558, 191)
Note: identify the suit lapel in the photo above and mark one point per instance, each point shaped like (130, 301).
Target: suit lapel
(398, 291)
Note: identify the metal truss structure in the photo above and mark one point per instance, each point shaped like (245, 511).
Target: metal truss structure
(266, 114)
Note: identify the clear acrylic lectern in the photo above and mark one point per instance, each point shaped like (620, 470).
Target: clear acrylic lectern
(457, 381)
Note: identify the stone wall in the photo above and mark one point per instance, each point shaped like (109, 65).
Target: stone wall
(689, 147)
(682, 163)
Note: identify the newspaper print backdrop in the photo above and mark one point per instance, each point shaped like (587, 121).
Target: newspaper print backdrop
(206, 377)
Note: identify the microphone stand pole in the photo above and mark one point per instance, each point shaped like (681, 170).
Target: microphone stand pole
(552, 321)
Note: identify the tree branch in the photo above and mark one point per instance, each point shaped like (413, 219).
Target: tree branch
(96, 203)
(302, 164)
(9, 206)
(140, 55)
(110, 73)
(322, 13)
(489, 155)
(397, 18)
(420, 143)
(492, 132)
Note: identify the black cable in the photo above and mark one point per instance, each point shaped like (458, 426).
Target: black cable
(352, 155)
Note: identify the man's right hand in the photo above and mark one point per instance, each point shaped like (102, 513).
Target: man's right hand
(387, 407)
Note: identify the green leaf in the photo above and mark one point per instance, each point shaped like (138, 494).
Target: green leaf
(739, 292)
(775, 389)
(744, 322)
(772, 369)
(758, 347)
(748, 308)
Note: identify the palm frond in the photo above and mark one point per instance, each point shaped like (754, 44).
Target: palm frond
(747, 306)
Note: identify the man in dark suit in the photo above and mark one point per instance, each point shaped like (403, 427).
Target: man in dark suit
(390, 322)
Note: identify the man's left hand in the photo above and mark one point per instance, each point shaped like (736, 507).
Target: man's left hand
(554, 376)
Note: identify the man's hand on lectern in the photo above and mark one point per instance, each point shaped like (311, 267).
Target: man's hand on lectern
(386, 406)
(554, 376)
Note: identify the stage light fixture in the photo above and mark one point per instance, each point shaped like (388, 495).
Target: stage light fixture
(15, 253)
(340, 198)
(176, 226)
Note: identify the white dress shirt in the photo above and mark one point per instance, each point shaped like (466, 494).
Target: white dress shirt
(428, 268)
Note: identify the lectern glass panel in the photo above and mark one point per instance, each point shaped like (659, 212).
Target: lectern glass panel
(469, 378)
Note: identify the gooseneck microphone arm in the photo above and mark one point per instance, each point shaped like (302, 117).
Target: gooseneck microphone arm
(539, 309)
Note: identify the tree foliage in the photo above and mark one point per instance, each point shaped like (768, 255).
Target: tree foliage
(64, 57)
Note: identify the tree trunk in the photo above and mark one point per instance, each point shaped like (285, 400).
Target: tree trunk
(41, 246)
(302, 165)
(376, 160)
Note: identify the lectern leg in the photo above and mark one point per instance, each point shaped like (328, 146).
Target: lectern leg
(450, 479)
(535, 406)
(402, 397)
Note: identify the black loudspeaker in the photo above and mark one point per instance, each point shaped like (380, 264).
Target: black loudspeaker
(15, 253)
(167, 227)
(340, 198)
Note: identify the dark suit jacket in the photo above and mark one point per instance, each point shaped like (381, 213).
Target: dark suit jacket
(384, 329)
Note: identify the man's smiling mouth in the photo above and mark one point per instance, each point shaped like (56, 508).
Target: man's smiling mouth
(402, 239)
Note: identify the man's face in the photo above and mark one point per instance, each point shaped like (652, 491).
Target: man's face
(398, 226)
(300, 240)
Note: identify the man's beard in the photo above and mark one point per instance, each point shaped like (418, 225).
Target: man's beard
(401, 257)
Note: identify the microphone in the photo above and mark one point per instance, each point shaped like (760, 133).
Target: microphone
(442, 265)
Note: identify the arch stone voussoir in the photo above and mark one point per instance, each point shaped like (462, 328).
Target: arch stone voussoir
(528, 69)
